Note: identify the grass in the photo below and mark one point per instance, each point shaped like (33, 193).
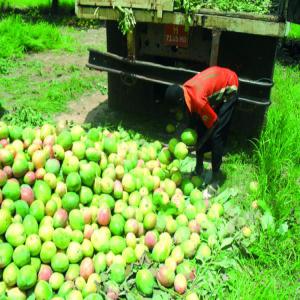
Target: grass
(258, 282)
(45, 86)
(272, 268)
(18, 37)
(33, 3)
(278, 150)
(294, 32)
(48, 90)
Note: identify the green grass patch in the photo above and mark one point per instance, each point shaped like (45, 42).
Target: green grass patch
(33, 3)
(18, 37)
(53, 97)
(294, 32)
(47, 91)
(278, 150)
(25, 116)
(258, 282)
(271, 268)
(41, 84)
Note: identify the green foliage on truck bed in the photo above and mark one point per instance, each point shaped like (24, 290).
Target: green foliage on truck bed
(251, 6)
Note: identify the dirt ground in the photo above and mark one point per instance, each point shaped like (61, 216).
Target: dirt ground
(85, 109)
(91, 38)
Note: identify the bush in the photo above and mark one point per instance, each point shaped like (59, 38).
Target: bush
(18, 37)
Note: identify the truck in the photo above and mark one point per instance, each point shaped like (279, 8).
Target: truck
(168, 46)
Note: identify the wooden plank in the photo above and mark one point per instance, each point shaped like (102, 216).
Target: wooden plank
(168, 5)
(164, 5)
(243, 25)
(215, 46)
(131, 45)
(223, 23)
(146, 4)
(243, 15)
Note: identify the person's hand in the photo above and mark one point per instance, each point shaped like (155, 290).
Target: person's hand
(192, 148)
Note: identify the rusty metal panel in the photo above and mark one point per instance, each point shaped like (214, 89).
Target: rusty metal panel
(152, 44)
(176, 35)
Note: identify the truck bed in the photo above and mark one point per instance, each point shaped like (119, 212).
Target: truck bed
(266, 25)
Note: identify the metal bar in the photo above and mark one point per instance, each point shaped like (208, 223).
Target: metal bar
(251, 101)
(156, 73)
(153, 70)
(263, 82)
(240, 99)
(146, 69)
(124, 74)
(118, 72)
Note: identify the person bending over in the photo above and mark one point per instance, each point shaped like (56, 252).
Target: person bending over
(209, 97)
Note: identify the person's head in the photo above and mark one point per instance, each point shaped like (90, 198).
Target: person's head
(174, 95)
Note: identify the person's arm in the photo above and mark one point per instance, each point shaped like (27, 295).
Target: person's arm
(206, 136)
(209, 119)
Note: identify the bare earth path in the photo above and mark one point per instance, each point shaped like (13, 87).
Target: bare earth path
(79, 109)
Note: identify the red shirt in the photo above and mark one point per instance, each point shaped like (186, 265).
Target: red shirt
(206, 89)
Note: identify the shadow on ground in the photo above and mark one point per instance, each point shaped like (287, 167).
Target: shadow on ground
(151, 124)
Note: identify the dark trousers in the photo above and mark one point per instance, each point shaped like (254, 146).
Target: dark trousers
(216, 143)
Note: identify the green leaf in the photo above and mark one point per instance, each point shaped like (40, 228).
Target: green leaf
(283, 229)
(161, 295)
(169, 209)
(263, 205)
(133, 295)
(226, 242)
(226, 263)
(267, 221)
(225, 195)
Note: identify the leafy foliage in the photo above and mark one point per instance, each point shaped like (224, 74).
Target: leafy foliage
(19, 37)
(126, 19)
(254, 6)
(278, 150)
(33, 3)
(212, 275)
(24, 116)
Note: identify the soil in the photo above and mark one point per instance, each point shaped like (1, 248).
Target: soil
(85, 110)
(91, 38)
